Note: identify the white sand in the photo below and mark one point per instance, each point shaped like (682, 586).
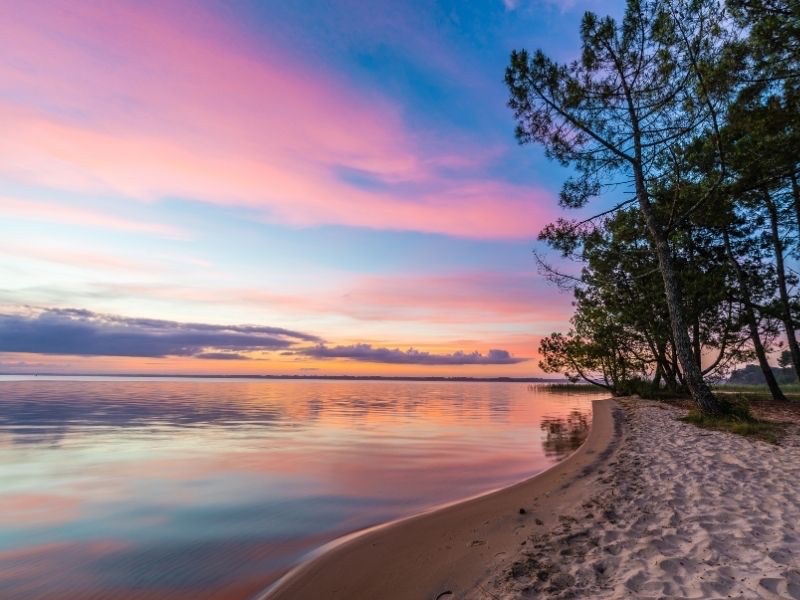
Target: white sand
(677, 512)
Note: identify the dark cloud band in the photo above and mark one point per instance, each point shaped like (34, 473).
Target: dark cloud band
(82, 332)
(368, 353)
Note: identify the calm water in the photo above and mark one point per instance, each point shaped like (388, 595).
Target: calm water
(212, 488)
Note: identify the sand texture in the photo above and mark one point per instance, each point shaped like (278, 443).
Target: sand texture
(678, 512)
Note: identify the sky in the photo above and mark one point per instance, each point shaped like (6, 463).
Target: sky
(273, 187)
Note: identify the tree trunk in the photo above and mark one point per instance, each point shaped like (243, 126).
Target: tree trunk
(675, 370)
(656, 382)
(696, 345)
(670, 379)
(796, 197)
(752, 322)
(698, 388)
(785, 305)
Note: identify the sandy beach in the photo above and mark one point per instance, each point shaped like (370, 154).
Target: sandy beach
(648, 507)
(680, 512)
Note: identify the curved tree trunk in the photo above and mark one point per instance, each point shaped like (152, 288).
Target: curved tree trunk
(780, 269)
(676, 376)
(796, 197)
(697, 346)
(698, 388)
(752, 322)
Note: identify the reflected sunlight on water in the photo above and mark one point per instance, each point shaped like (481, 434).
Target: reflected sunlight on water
(176, 488)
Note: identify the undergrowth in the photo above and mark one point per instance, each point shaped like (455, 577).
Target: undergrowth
(761, 388)
(735, 418)
(572, 388)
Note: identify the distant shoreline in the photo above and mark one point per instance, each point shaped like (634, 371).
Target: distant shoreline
(293, 377)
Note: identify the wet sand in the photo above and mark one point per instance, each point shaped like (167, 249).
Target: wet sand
(459, 549)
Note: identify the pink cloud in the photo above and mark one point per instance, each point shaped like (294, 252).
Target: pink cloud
(33, 210)
(77, 258)
(467, 298)
(462, 297)
(147, 102)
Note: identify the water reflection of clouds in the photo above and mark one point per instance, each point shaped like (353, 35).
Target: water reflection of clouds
(44, 412)
(22, 510)
(179, 489)
(175, 571)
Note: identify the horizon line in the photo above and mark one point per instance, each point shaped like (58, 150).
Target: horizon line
(460, 378)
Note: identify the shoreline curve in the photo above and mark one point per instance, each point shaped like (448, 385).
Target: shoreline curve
(446, 551)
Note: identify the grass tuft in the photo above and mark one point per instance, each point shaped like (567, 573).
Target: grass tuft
(572, 388)
(758, 392)
(736, 418)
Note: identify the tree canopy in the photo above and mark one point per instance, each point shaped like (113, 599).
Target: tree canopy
(680, 123)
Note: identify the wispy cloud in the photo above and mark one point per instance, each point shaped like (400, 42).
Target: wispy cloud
(59, 212)
(271, 134)
(86, 333)
(562, 5)
(369, 353)
(476, 296)
(77, 258)
(465, 297)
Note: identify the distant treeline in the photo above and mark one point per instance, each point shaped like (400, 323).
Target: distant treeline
(784, 374)
(681, 123)
(753, 375)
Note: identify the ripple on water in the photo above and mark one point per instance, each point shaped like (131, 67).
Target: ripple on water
(172, 487)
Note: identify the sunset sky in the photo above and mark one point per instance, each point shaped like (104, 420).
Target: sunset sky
(273, 187)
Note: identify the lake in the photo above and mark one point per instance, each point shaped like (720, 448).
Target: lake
(178, 488)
